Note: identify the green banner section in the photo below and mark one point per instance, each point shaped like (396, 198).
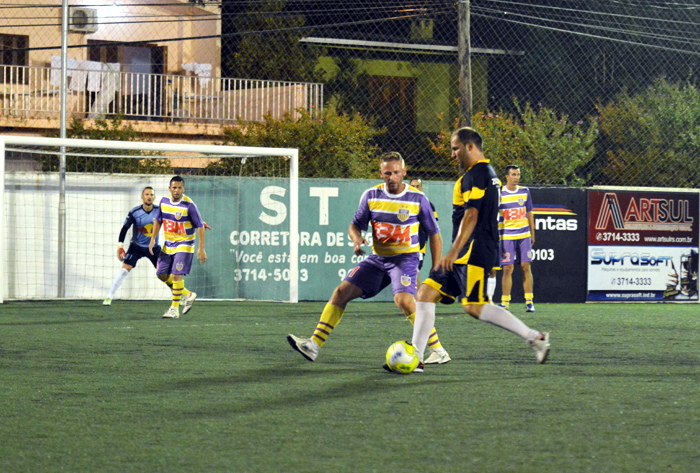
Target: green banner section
(248, 246)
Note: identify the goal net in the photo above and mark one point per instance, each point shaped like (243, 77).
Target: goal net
(64, 202)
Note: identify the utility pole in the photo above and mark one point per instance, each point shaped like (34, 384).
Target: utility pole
(465, 63)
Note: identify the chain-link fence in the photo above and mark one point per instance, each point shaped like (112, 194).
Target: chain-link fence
(576, 92)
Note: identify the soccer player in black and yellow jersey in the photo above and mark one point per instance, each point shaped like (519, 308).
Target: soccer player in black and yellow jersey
(461, 274)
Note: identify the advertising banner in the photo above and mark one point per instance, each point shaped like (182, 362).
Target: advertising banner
(642, 246)
(559, 253)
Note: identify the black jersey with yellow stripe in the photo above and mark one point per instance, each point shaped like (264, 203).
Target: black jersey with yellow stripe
(478, 188)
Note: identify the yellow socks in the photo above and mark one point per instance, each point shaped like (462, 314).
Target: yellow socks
(178, 286)
(505, 301)
(330, 317)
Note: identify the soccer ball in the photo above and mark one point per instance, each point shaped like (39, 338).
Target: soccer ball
(402, 358)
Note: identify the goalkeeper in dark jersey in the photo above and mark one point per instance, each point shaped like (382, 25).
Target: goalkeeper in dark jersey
(141, 219)
(461, 274)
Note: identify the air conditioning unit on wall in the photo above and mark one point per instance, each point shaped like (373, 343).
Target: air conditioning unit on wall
(82, 20)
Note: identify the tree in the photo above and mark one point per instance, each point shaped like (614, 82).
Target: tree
(331, 145)
(550, 149)
(92, 160)
(653, 137)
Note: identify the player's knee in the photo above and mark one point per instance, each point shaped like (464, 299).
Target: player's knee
(427, 294)
(473, 310)
(163, 277)
(343, 294)
(508, 270)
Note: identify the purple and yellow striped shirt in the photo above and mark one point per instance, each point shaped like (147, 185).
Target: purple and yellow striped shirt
(180, 221)
(514, 224)
(395, 219)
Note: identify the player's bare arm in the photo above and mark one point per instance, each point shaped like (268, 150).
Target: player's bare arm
(466, 228)
(357, 240)
(201, 254)
(154, 235)
(206, 226)
(435, 242)
(531, 221)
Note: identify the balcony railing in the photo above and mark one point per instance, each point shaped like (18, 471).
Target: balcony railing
(34, 93)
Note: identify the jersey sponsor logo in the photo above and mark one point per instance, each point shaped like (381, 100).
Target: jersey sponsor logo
(146, 230)
(515, 214)
(389, 233)
(404, 213)
(174, 227)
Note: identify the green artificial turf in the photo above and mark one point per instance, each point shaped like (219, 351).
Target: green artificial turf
(112, 389)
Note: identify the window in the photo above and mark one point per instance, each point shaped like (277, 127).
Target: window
(13, 53)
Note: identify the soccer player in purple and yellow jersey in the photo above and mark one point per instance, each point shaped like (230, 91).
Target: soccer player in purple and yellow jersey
(394, 211)
(517, 236)
(182, 223)
(461, 274)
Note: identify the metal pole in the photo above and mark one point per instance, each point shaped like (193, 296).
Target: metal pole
(465, 64)
(62, 159)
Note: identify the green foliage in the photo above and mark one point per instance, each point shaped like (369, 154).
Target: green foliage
(271, 48)
(331, 145)
(107, 129)
(549, 148)
(654, 137)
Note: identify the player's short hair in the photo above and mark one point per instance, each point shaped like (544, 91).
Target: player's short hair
(511, 167)
(392, 156)
(469, 135)
(177, 179)
(146, 188)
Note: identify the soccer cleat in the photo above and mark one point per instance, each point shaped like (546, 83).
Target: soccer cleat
(438, 356)
(541, 347)
(107, 301)
(419, 368)
(305, 346)
(386, 367)
(172, 313)
(503, 305)
(530, 307)
(188, 301)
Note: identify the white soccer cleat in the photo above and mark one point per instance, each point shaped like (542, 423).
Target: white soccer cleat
(188, 302)
(305, 346)
(438, 356)
(172, 313)
(530, 307)
(107, 301)
(541, 347)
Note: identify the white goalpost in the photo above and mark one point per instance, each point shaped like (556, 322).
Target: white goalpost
(60, 228)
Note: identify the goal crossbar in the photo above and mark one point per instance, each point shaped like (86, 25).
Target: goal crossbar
(218, 150)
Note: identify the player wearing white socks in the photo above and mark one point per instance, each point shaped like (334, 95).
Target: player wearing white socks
(141, 219)
(462, 273)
